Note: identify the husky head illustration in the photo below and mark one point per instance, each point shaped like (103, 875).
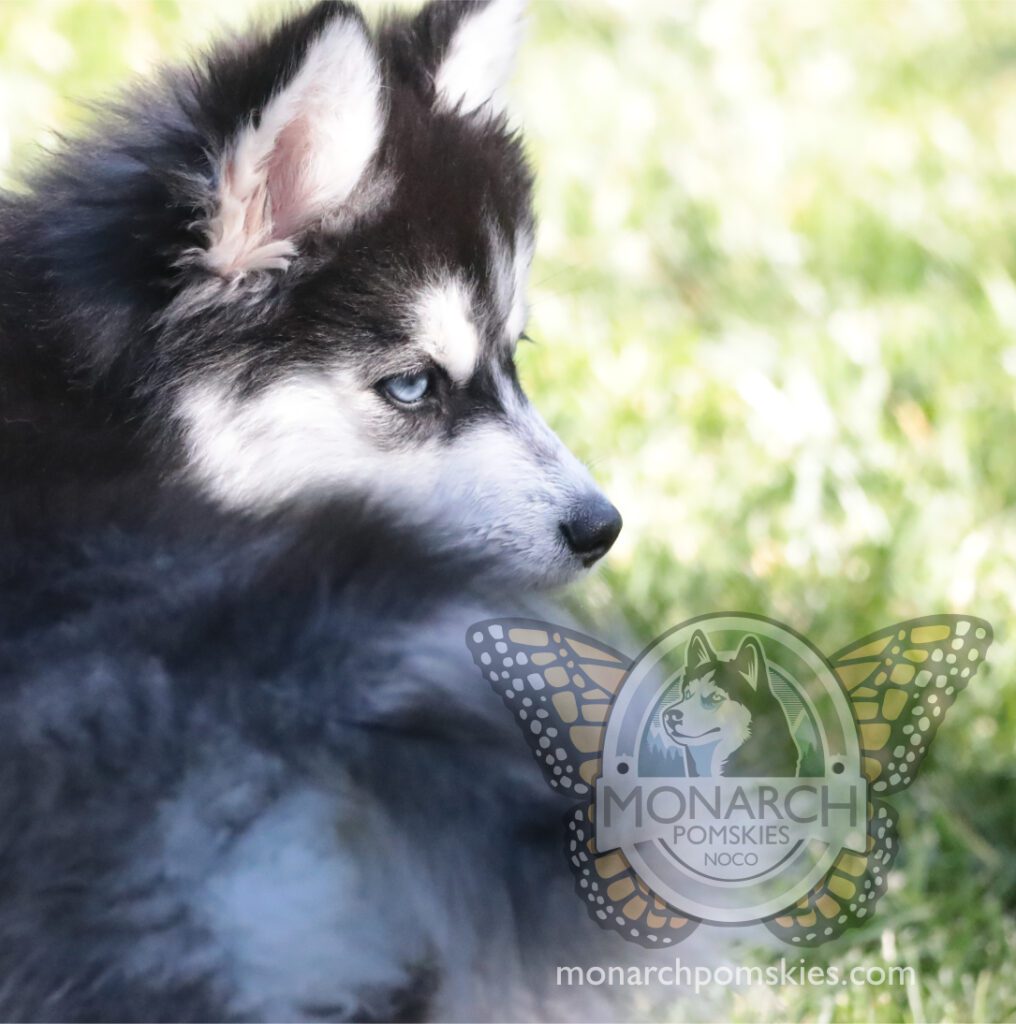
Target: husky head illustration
(725, 715)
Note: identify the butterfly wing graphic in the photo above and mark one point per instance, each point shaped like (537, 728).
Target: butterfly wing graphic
(560, 686)
(901, 681)
(615, 896)
(848, 892)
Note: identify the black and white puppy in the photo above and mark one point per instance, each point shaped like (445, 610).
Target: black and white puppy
(263, 457)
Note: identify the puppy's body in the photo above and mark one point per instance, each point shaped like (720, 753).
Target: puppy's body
(264, 458)
(230, 794)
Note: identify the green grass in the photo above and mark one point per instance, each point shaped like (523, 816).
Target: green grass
(775, 306)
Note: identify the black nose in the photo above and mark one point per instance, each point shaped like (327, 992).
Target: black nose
(592, 528)
(673, 716)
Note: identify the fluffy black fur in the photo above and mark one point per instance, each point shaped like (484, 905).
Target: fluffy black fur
(95, 254)
(260, 663)
(169, 668)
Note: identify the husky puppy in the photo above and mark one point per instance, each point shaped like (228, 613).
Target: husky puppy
(264, 456)
(726, 716)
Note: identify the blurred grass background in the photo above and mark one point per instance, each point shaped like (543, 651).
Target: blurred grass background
(775, 307)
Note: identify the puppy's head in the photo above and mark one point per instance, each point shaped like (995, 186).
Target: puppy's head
(348, 285)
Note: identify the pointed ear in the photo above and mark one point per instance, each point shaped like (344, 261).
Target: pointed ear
(473, 45)
(699, 651)
(750, 661)
(301, 155)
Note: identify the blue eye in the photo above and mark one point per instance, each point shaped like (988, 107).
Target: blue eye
(408, 388)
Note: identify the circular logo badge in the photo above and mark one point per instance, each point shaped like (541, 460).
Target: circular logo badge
(731, 769)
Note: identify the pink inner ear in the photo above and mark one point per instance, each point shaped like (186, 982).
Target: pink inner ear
(287, 178)
(303, 157)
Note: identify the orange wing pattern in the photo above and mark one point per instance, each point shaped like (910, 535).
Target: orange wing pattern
(615, 896)
(901, 682)
(559, 685)
(848, 893)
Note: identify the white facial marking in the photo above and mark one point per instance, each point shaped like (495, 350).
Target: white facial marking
(511, 276)
(300, 435)
(313, 142)
(445, 329)
(518, 311)
(500, 488)
(480, 57)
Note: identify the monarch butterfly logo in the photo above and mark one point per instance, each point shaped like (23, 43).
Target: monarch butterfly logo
(731, 773)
